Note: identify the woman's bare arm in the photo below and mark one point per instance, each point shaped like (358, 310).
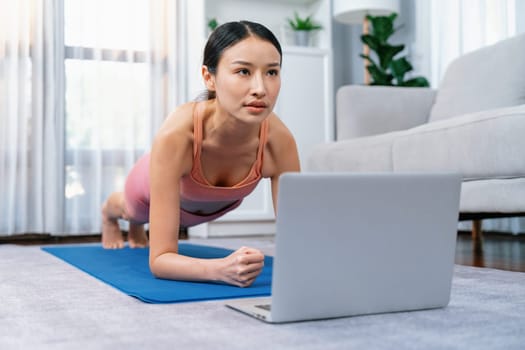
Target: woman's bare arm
(171, 158)
(284, 155)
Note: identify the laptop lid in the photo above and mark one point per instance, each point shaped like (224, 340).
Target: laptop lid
(352, 244)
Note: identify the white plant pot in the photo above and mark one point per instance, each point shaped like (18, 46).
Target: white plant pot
(302, 37)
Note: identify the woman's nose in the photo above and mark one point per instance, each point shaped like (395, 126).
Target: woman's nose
(258, 86)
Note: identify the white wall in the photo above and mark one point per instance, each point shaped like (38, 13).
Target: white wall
(520, 16)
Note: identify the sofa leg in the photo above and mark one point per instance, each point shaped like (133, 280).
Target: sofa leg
(477, 233)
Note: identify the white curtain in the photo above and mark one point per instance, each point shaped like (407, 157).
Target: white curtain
(31, 122)
(456, 28)
(84, 85)
(461, 26)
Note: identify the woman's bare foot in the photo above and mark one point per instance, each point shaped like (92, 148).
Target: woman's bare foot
(137, 237)
(111, 235)
(112, 210)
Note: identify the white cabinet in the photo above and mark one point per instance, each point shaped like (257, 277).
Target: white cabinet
(305, 102)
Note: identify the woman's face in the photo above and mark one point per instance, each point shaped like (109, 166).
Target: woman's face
(247, 80)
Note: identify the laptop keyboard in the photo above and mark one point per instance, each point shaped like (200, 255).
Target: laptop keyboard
(266, 307)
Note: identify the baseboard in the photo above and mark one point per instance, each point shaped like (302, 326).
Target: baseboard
(232, 229)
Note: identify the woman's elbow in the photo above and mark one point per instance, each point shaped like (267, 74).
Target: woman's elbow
(154, 267)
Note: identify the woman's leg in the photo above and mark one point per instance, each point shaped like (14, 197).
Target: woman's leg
(112, 210)
(137, 237)
(112, 238)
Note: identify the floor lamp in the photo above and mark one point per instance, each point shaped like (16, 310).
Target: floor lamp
(355, 11)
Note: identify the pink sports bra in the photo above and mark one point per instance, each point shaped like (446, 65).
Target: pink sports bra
(196, 188)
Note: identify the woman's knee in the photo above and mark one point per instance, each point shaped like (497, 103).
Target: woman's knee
(113, 206)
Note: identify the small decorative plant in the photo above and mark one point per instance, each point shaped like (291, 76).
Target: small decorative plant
(212, 24)
(303, 29)
(303, 24)
(388, 70)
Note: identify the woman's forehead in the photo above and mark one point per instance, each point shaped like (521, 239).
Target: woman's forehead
(252, 49)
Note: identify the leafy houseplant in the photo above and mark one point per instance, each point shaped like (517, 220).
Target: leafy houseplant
(389, 70)
(303, 27)
(307, 24)
(212, 24)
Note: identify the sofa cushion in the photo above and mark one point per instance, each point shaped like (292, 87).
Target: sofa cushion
(488, 78)
(372, 110)
(493, 195)
(365, 154)
(482, 145)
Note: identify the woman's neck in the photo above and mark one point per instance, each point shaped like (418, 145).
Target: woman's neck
(225, 129)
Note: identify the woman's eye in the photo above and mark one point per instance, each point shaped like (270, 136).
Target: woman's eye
(243, 72)
(273, 72)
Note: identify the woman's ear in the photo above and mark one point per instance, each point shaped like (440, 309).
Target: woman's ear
(209, 78)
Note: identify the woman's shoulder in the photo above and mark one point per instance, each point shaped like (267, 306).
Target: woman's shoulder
(181, 116)
(280, 138)
(172, 147)
(278, 132)
(179, 120)
(177, 128)
(281, 149)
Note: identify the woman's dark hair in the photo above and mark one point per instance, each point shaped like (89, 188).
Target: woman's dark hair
(229, 34)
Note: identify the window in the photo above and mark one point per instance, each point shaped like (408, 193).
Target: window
(106, 74)
(86, 83)
(106, 98)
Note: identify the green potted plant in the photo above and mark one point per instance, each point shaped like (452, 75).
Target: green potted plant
(387, 70)
(303, 29)
(212, 24)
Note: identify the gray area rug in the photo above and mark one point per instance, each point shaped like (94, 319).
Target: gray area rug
(48, 304)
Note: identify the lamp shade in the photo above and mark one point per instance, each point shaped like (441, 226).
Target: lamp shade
(354, 11)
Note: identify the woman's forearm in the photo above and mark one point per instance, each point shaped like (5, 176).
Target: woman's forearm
(240, 268)
(179, 267)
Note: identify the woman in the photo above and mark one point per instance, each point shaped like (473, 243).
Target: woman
(207, 157)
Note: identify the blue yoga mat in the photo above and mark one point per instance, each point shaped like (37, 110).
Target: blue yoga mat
(127, 270)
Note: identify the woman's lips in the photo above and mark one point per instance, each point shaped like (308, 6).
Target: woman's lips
(256, 107)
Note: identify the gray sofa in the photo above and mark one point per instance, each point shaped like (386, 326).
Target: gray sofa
(474, 124)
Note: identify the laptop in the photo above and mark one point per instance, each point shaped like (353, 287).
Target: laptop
(354, 244)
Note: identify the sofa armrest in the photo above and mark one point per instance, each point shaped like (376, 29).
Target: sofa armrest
(369, 110)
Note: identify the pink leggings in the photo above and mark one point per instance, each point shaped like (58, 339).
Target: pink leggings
(137, 198)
